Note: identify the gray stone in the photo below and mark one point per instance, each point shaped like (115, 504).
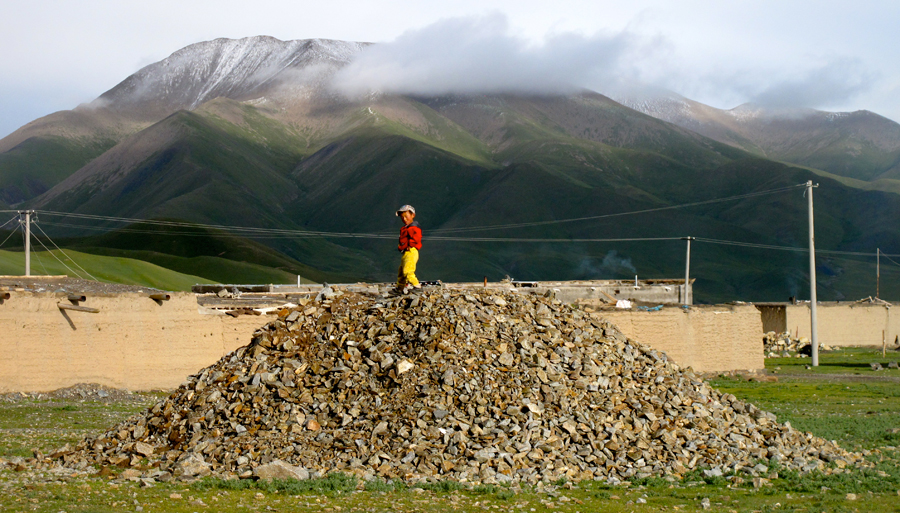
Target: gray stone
(280, 470)
(192, 465)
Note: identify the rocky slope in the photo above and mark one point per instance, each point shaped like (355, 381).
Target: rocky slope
(860, 145)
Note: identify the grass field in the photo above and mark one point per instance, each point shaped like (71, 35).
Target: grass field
(102, 268)
(841, 400)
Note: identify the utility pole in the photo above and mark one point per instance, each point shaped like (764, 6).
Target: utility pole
(687, 299)
(877, 271)
(27, 214)
(813, 323)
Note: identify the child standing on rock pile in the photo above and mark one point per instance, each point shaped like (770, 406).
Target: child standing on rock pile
(410, 244)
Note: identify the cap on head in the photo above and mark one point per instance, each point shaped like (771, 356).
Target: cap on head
(406, 208)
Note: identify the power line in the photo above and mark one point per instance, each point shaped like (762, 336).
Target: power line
(787, 248)
(512, 239)
(272, 233)
(54, 256)
(10, 234)
(386, 235)
(238, 229)
(891, 259)
(619, 214)
(63, 252)
(13, 218)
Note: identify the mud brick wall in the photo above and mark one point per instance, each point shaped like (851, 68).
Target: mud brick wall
(846, 325)
(707, 338)
(132, 343)
(136, 344)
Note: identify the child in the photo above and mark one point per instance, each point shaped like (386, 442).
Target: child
(410, 244)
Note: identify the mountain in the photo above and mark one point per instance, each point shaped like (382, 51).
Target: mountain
(248, 134)
(860, 145)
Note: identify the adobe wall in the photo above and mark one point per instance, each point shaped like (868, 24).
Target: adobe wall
(707, 338)
(133, 343)
(846, 324)
(136, 344)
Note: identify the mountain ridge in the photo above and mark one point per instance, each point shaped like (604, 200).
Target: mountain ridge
(232, 141)
(861, 144)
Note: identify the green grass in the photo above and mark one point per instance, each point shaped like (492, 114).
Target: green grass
(333, 484)
(842, 399)
(46, 424)
(108, 269)
(39, 163)
(834, 405)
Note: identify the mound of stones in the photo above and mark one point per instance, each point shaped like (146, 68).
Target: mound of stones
(784, 345)
(478, 386)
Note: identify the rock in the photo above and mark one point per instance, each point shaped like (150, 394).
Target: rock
(482, 386)
(893, 365)
(705, 503)
(130, 473)
(850, 497)
(280, 470)
(875, 366)
(403, 366)
(192, 466)
(143, 449)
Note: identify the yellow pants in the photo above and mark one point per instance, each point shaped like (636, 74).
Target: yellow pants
(406, 275)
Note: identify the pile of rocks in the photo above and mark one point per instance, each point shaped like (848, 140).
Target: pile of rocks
(476, 386)
(785, 345)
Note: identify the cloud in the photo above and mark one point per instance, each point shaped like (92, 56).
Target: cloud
(834, 83)
(481, 55)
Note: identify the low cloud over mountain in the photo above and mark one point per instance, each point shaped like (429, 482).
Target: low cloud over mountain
(483, 56)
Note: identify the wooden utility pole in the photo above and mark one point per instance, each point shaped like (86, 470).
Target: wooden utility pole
(27, 214)
(813, 323)
(687, 300)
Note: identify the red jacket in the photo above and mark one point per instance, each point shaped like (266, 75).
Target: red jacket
(410, 237)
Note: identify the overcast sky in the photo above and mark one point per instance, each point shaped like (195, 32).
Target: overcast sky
(838, 56)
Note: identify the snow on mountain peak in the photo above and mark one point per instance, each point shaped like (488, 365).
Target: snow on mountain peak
(235, 68)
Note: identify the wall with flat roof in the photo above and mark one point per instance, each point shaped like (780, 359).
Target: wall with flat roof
(846, 324)
(136, 343)
(707, 338)
(133, 342)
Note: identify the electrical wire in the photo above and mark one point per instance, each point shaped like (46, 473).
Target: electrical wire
(288, 234)
(884, 255)
(386, 235)
(512, 239)
(236, 229)
(6, 223)
(9, 236)
(54, 256)
(36, 225)
(619, 214)
(785, 248)
(285, 233)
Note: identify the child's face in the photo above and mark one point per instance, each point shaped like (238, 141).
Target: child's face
(407, 216)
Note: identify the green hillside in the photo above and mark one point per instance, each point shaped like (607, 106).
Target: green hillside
(468, 162)
(39, 163)
(108, 269)
(213, 254)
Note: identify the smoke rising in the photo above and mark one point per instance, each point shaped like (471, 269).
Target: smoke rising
(611, 266)
(481, 55)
